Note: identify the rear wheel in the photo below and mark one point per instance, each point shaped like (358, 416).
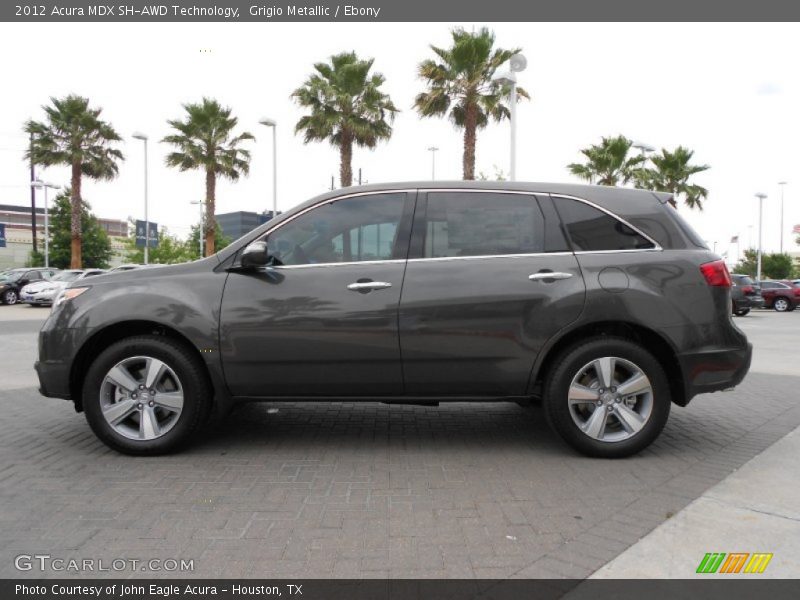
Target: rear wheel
(608, 397)
(146, 395)
(10, 297)
(741, 312)
(781, 304)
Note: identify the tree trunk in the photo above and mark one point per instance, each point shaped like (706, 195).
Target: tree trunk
(211, 221)
(346, 162)
(470, 135)
(76, 262)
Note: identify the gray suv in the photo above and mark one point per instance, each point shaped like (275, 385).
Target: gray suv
(601, 303)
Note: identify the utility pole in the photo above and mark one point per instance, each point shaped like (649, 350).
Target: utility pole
(33, 198)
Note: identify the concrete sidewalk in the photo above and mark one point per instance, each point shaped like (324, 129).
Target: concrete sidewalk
(756, 509)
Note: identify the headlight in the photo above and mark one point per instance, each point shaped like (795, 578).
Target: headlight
(68, 294)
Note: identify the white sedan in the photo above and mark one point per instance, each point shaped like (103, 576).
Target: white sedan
(42, 293)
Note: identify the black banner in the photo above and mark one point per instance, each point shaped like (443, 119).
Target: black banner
(405, 10)
(400, 589)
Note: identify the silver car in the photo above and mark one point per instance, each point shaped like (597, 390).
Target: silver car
(42, 293)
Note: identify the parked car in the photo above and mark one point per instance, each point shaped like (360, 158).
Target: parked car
(780, 295)
(14, 280)
(42, 293)
(745, 295)
(600, 301)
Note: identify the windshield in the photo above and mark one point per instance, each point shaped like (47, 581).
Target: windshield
(66, 276)
(11, 276)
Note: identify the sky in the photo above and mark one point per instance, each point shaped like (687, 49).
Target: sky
(730, 92)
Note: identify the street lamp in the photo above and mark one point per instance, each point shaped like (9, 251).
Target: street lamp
(516, 64)
(38, 184)
(782, 184)
(140, 136)
(200, 232)
(760, 197)
(433, 150)
(272, 123)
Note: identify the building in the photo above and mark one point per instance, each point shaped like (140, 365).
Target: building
(236, 224)
(19, 244)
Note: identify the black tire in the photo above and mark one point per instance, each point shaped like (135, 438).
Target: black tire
(570, 362)
(10, 297)
(781, 304)
(742, 312)
(189, 369)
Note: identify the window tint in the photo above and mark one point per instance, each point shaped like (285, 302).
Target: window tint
(482, 224)
(349, 230)
(592, 230)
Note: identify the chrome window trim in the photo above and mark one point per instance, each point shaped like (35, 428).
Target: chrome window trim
(657, 247)
(488, 256)
(338, 264)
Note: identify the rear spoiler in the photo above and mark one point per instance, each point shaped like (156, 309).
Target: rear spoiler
(664, 197)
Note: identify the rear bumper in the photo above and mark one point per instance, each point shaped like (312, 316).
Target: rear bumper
(715, 370)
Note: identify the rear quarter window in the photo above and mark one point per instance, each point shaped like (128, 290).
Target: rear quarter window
(592, 230)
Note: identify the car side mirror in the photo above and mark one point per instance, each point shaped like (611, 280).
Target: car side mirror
(255, 255)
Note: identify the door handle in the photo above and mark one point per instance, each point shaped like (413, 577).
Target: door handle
(368, 286)
(549, 275)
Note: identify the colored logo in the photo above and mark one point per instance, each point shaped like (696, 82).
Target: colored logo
(735, 562)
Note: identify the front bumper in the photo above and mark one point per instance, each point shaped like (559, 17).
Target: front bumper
(53, 379)
(715, 370)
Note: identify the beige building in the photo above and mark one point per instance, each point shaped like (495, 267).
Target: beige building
(17, 220)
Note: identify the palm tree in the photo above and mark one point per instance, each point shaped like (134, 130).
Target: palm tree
(205, 141)
(672, 173)
(74, 135)
(608, 163)
(460, 85)
(346, 106)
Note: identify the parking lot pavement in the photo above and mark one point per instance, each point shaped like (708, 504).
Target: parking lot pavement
(369, 490)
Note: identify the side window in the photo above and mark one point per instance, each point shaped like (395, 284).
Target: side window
(32, 276)
(482, 224)
(350, 230)
(592, 230)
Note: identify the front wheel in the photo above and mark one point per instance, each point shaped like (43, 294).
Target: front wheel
(10, 297)
(781, 304)
(146, 395)
(608, 397)
(741, 312)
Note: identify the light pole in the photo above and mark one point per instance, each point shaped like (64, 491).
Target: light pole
(272, 123)
(200, 232)
(643, 150)
(760, 197)
(433, 150)
(782, 184)
(516, 64)
(140, 136)
(39, 184)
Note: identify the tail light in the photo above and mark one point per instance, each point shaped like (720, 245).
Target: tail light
(748, 289)
(716, 273)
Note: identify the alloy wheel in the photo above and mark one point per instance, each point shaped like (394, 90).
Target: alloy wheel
(141, 398)
(10, 297)
(781, 304)
(610, 399)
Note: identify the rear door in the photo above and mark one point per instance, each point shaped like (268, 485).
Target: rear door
(489, 280)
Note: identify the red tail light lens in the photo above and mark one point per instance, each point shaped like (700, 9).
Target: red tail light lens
(748, 289)
(716, 273)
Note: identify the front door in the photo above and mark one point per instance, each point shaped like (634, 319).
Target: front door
(489, 280)
(322, 320)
